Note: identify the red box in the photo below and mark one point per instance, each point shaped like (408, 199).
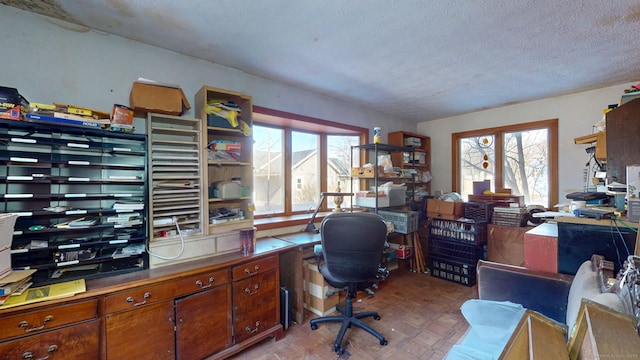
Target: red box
(403, 252)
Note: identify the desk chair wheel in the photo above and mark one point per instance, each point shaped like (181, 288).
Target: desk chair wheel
(376, 317)
(338, 349)
(314, 326)
(383, 342)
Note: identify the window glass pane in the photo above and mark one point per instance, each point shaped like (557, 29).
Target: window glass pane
(526, 165)
(305, 167)
(339, 167)
(268, 174)
(477, 162)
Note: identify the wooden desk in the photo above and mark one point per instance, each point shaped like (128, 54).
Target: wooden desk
(579, 238)
(291, 268)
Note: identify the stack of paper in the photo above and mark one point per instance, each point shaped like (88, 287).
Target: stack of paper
(15, 283)
(43, 293)
(7, 222)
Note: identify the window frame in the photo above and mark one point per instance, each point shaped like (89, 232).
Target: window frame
(551, 125)
(290, 122)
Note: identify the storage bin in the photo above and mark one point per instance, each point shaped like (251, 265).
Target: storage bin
(466, 231)
(454, 271)
(404, 222)
(455, 250)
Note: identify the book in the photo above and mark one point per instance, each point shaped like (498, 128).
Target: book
(55, 120)
(67, 116)
(44, 293)
(81, 110)
(127, 206)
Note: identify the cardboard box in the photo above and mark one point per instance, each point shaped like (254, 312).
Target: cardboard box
(315, 290)
(444, 209)
(158, 99)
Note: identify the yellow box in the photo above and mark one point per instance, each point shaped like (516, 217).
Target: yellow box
(315, 290)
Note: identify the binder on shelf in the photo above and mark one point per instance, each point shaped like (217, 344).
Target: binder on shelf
(61, 121)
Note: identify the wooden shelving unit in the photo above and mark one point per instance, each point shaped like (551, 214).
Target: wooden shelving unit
(223, 171)
(176, 175)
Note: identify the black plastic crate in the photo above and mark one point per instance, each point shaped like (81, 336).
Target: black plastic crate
(457, 272)
(478, 210)
(455, 250)
(469, 231)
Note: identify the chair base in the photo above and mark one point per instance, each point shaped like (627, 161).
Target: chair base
(348, 319)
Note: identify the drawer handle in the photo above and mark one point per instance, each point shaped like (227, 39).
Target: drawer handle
(248, 290)
(202, 286)
(25, 324)
(255, 268)
(29, 354)
(146, 295)
(251, 331)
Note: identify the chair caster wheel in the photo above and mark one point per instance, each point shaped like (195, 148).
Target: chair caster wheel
(383, 342)
(314, 326)
(376, 317)
(338, 349)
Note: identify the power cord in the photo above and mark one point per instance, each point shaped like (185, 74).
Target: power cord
(175, 222)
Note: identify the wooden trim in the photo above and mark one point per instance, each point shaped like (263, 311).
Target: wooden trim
(550, 124)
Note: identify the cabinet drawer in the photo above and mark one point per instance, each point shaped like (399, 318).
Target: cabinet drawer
(201, 282)
(254, 268)
(254, 305)
(140, 296)
(73, 342)
(38, 321)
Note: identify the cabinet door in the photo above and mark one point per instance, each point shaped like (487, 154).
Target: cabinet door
(254, 305)
(146, 332)
(203, 323)
(69, 343)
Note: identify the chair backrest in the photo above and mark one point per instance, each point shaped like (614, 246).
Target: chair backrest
(352, 245)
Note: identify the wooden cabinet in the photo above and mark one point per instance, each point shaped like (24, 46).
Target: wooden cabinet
(144, 332)
(80, 193)
(229, 157)
(177, 317)
(67, 331)
(203, 323)
(204, 309)
(623, 128)
(418, 161)
(255, 298)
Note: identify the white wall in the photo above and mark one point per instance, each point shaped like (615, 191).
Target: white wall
(576, 115)
(50, 60)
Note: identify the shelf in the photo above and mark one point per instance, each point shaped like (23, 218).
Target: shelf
(229, 156)
(80, 173)
(177, 176)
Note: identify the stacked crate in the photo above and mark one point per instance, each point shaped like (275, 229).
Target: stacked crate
(455, 246)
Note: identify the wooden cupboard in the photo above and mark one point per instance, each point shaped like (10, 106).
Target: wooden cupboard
(203, 309)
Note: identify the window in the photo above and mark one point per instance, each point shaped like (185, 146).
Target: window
(520, 157)
(296, 158)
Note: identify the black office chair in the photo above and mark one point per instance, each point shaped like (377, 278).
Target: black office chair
(352, 246)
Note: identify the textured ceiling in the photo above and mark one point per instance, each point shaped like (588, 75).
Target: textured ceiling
(419, 60)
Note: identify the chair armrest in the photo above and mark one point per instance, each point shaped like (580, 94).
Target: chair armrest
(546, 293)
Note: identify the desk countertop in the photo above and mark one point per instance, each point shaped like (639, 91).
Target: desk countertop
(301, 238)
(591, 221)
